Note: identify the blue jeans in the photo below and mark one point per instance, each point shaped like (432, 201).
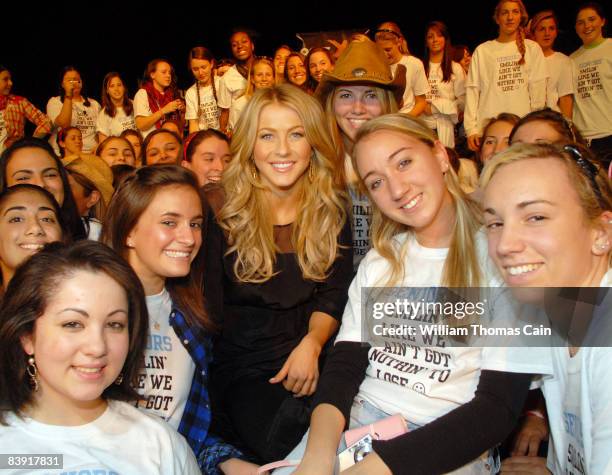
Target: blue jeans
(364, 413)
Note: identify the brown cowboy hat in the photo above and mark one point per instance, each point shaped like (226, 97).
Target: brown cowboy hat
(95, 170)
(362, 62)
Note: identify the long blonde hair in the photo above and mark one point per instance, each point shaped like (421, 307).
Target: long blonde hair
(389, 106)
(246, 215)
(462, 267)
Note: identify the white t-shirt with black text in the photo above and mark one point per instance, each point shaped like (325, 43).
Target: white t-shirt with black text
(425, 382)
(114, 126)
(85, 118)
(208, 112)
(169, 370)
(123, 440)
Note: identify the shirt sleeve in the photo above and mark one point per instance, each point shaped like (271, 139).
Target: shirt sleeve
(224, 96)
(537, 78)
(565, 85)
(459, 85)
(103, 123)
(343, 373)
(463, 434)
(472, 97)
(191, 101)
(420, 84)
(331, 295)
(42, 122)
(141, 104)
(600, 389)
(54, 107)
(214, 453)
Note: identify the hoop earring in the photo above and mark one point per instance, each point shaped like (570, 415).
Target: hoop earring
(119, 379)
(32, 371)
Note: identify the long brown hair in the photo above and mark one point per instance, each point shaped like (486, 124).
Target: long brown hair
(133, 196)
(107, 103)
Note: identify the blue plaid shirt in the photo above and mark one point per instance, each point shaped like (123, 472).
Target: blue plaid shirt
(209, 450)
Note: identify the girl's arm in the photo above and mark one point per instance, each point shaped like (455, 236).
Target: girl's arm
(343, 373)
(463, 434)
(420, 103)
(42, 122)
(566, 105)
(64, 117)
(300, 373)
(193, 126)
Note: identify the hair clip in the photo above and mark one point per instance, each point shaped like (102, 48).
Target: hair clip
(588, 168)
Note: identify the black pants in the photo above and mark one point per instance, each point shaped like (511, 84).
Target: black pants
(263, 420)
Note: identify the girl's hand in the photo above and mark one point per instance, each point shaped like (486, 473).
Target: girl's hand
(175, 105)
(69, 89)
(238, 467)
(525, 466)
(532, 432)
(427, 110)
(300, 373)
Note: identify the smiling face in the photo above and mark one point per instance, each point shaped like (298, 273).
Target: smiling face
(263, 76)
(296, 70)
(538, 233)
(209, 160)
(163, 148)
(281, 153)
(280, 58)
(117, 151)
(116, 89)
(202, 70)
(6, 83)
(318, 64)
(508, 19)
(80, 344)
(27, 222)
(545, 33)
(162, 76)
(405, 178)
(35, 166)
(242, 46)
(355, 105)
(167, 236)
(495, 139)
(589, 26)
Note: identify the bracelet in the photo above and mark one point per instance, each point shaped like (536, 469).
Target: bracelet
(537, 414)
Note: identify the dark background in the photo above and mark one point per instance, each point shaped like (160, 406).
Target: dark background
(98, 37)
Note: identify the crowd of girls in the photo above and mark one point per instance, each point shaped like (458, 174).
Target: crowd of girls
(184, 279)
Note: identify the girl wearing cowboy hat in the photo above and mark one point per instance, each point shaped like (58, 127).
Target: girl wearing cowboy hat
(359, 88)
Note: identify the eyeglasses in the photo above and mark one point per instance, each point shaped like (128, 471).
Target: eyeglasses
(588, 168)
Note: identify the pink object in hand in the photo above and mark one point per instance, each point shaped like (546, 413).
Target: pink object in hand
(385, 429)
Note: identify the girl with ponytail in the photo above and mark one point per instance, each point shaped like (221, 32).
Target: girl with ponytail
(201, 98)
(507, 74)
